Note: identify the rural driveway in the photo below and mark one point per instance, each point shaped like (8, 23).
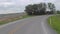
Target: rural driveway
(32, 25)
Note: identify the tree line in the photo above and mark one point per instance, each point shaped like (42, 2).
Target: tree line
(40, 9)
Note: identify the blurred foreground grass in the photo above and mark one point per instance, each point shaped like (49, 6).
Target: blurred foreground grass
(55, 22)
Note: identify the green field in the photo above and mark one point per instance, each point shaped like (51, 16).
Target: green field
(13, 19)
(54, 21)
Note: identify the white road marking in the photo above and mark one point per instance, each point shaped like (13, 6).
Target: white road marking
(43, 27)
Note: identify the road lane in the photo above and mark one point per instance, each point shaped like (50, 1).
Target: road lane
(33, 25)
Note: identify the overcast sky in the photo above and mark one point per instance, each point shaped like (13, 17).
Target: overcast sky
(23, 3)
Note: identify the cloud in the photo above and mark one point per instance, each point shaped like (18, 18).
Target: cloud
(6, 4)
(23, 3)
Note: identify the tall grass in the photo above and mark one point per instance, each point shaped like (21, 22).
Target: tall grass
(55, 22)
(7, 20)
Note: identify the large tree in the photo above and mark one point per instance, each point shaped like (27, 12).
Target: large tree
(51, 7)
(39, 9)
(42, 8)
(29, 9)
(36, 9)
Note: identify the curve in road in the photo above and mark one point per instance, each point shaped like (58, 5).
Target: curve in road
(33, 25)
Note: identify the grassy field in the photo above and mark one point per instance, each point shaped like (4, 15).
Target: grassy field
(54, 21)
(7, 20)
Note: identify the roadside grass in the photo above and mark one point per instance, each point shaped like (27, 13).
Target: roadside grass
(13, 19)
(55, 22)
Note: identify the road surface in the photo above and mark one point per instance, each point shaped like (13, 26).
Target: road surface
(32, 25)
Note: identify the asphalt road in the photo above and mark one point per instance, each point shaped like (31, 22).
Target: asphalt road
(32, 25)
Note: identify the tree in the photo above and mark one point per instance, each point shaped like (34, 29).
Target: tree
(39, 9)
(51, 7)
(29, 9)
(58, 11)
(36, 9)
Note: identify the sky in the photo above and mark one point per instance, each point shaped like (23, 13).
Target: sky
(22, 3)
